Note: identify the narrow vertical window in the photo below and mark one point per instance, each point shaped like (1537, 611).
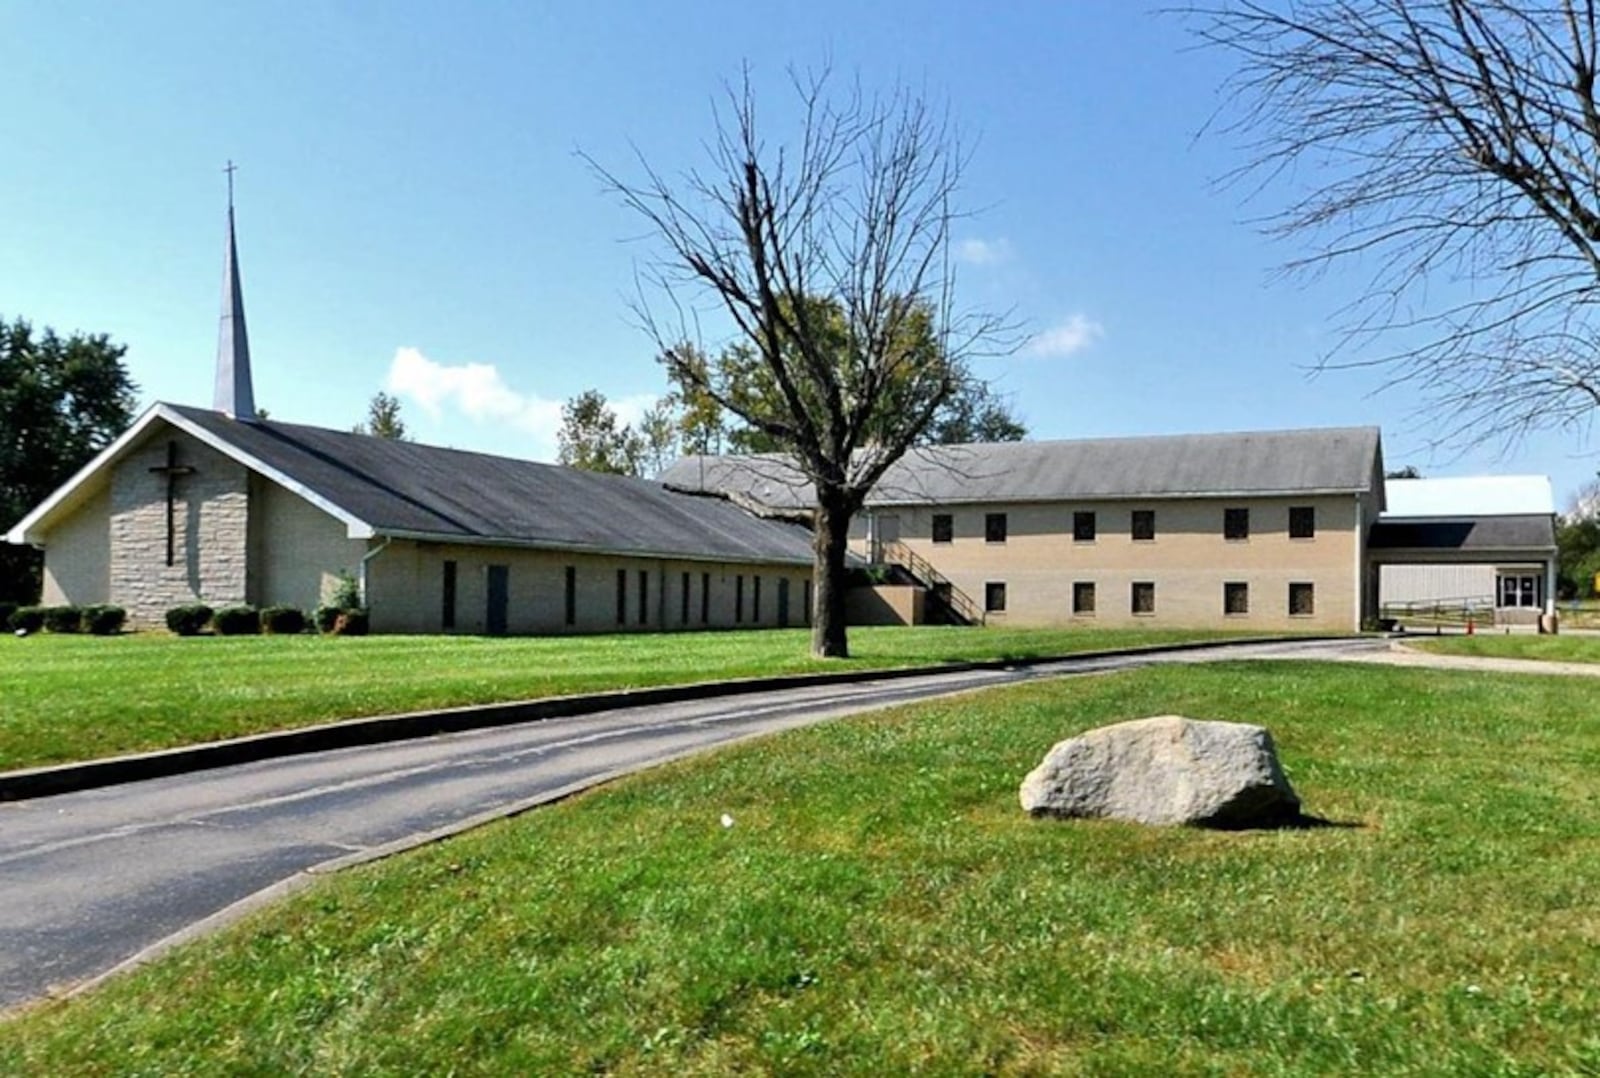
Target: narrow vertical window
(571, 596)
(738, 598)
(705, 598)
(683, 610)
(447, 615)
(622, 596)
(806, 601)
(755, 599)
(644, 596)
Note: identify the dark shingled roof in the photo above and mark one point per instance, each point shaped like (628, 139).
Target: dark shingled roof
(1476, 533)
(447, 494)
(1335, 460)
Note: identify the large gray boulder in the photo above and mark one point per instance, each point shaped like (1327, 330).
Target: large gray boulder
(1165, 770)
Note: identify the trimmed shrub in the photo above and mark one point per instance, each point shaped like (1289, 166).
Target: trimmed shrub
(189, 619)
(240, 620)
(326, 617)
(27, 619)
(104, 619)
(351, 623)
(283, 620)
(346, 594)
(63, 619)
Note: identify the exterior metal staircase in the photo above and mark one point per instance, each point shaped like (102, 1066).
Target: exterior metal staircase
(946, 602)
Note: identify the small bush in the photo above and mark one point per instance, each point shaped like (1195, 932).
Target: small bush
(63, 619)
(239, 620)
(27, 619)
(6, 610)
(326, 617)
(346, 593)
(104, 619)
(351, 623)
(283, 620)
(189, 619)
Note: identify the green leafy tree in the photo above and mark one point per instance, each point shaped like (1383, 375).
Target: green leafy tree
(660, 431)
(590, 437)
(383, 419)
(62, 400)
(826, 251)
(1578, 544)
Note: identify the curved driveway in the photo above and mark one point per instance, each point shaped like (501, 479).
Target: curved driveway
(90, 880)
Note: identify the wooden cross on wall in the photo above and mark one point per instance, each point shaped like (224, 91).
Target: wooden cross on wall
(173, 471)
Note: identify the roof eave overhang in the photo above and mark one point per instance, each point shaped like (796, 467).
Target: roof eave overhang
(458, 539)
(29, 530)
(1034, 499)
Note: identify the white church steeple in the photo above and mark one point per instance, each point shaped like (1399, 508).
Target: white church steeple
(234, 394)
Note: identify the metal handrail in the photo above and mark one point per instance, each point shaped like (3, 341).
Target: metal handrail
(895, 552)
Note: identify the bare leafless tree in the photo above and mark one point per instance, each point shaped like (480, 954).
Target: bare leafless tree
(1449, 143)
(830, 254)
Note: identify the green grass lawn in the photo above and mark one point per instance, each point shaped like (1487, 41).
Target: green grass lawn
(1567, 649)
(65, 698)
(882, 906)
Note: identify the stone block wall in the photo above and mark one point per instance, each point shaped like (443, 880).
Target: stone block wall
(211, 514)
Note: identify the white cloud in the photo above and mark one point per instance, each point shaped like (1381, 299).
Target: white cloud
(477, 391)
(1073, 335)
(978, 252)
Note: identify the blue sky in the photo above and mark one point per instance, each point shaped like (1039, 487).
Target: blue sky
(413, 215)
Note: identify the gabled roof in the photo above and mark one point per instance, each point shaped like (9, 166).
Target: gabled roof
(1324, 461)
(378, 487)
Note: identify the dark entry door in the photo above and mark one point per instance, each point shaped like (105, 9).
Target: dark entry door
(499, 599)
(783, 602)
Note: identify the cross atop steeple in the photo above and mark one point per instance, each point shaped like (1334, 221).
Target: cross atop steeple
(234, 394)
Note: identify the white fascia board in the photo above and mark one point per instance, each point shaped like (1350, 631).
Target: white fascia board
(1063, 499)
(587, 548)
(355, 527)
(25, 529)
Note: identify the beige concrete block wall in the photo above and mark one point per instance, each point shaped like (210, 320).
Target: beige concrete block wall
(210, 530)
(885, 604)
(406, 591)
(1189, 561)
(77, 560)
(297, 551)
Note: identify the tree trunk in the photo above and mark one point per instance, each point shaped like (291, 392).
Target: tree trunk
(830, 540)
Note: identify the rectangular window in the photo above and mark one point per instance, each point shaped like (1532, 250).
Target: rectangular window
(1302, 600)
(572, 595)
(1302, 522)
(1144, 525)
(944, 527)
(994, 597)
(1236, 523)
(1083, 597)
(644, 596)
(1236, 598)
(738, 598)
(806, 601)
(1144, 597)
(622, 596)
(755, 599)
(447, 616)
(994, 528)
(1083, 527)
(705, 598)
(683, 612)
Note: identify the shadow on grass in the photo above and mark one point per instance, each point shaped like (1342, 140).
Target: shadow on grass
(1297, 821)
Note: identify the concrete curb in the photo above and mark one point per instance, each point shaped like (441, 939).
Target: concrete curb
(350, 733)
